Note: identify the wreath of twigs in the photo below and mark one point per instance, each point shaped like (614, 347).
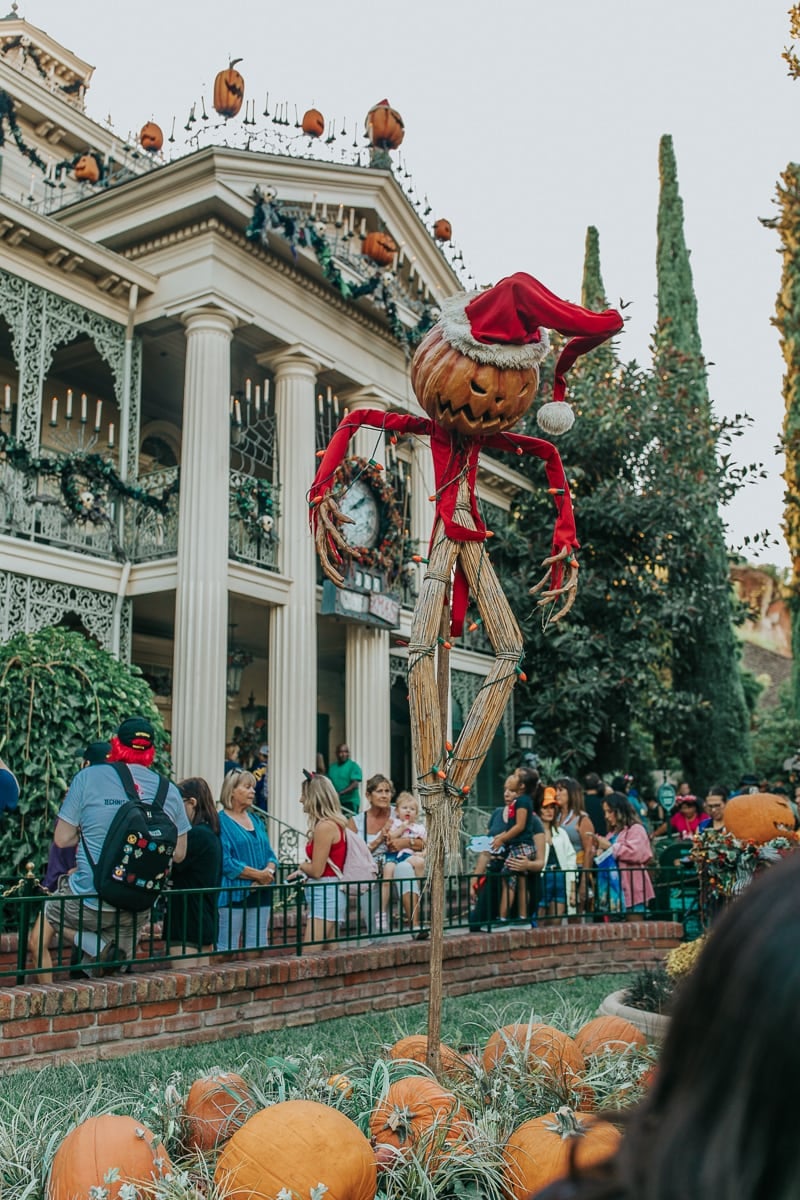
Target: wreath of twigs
(256, 506)
(388, 553)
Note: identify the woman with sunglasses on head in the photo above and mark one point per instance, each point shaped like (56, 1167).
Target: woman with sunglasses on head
(249, 865)
(325, 854)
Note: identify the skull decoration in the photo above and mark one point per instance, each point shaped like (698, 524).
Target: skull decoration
(467, 397)
(266, 522)
(87, 500)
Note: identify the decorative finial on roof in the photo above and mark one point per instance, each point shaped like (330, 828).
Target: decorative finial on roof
(14, 14)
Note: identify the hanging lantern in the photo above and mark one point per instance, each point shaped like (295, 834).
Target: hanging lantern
(151, 137)
(87, 169)
(380, 247)
(384, 126)
(229, 90)
(313, 123)
(443, 230)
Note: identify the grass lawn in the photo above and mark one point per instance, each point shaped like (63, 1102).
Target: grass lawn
(466, 1021)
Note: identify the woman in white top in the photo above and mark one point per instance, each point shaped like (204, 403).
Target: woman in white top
(558, 879)
(577, 824)
(374, 826)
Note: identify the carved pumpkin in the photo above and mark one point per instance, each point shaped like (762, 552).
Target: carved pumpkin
(414, 1107)
(385, 126)
(608, 1034)
(380, 247)
(468, 397)
(216, 1106)
(296, 1145)
(759, 817)
(100, 1145)
(229, 91)
(538, 1153)
(443, 230)
(416, 1049)
(313, 123)
(87, 169)
(151, 137)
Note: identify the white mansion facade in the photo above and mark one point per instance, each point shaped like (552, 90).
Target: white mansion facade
(141, 321)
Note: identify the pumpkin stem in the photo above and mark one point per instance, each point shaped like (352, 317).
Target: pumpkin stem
(233, 63)
(567, 1123)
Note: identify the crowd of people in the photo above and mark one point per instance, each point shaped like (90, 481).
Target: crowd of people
(552, 850)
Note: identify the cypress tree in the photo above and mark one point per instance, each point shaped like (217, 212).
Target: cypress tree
(713, 731)
(788, 321)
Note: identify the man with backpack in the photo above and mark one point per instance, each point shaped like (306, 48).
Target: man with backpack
(128, 824)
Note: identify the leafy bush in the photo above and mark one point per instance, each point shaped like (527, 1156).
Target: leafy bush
(650, 990)
(58, 691)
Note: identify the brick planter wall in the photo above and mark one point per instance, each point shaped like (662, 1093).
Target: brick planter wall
(52, 1024)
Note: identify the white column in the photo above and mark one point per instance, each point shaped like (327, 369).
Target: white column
(367, 689)
(201, 598)
(367, 686)
(293, 627)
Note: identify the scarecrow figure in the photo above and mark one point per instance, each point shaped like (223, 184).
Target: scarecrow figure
(475, 374)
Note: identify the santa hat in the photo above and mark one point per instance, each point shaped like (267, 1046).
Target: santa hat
(506, 326)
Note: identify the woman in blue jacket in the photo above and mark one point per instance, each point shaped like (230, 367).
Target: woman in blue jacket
(248, 867)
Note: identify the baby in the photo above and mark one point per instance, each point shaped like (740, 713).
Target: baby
(406, 824)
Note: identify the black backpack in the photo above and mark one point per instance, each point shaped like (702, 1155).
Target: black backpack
(134, 863)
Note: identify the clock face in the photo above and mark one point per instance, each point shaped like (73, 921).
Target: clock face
(360, 505)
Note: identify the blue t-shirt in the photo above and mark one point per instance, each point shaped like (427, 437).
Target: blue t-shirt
(9, 791)
(92, 801)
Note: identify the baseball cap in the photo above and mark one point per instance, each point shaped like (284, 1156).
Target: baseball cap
(263, 749)
(96, 752)
(137, 732)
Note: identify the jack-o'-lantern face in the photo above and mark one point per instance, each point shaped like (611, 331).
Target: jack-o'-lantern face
(380, 247)
(467, 397)
(87, 169)
(151, 137)
(313, 123)
(759, 817)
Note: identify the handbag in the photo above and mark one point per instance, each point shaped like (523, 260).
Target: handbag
(359, 866)
(609, 897)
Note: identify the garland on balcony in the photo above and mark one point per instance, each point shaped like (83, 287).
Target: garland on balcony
(256, 506)
(309, 233)
(8, 117)
(68, 89)
(86, 480)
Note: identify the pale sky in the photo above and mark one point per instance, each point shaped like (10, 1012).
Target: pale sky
(526, 122)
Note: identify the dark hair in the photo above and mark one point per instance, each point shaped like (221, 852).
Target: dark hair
(717, 790)
(532, 785)
(575, 793)
(206, 812)
(593, 783)
(716, 1121)
(622, 809)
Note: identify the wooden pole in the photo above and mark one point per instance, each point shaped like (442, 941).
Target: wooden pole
(436, 868)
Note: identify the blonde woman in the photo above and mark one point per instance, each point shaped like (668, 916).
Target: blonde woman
(326, 848)
(248, 867)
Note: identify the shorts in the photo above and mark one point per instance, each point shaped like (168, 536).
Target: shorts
(399, 856)
(325, 899)
(520, 850)
(554, 888)
(116, 926)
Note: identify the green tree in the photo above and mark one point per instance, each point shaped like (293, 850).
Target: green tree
(706, 674)
(58, 691)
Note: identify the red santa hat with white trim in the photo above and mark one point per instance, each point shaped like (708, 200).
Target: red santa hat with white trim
(506, 326)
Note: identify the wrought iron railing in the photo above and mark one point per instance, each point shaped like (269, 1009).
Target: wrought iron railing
(277, 918)
(248, 540)
(150, 534)
(36, 511)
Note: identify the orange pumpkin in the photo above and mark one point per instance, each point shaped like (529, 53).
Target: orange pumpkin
(313, 123)
(296, 1145)
(465, 396)
(380, 247)
(442, 230)
(87, 169)
(151, 137)
(100, 1145)
(216, 1106)
(538, 1153)
(415, 1048)
(340, 1083)
(608, 1033)
(414, 1107)
(759, 817)
(545, 1049)
(385, 126)
(229, 90)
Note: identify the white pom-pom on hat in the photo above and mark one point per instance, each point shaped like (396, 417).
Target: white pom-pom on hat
(555, 418)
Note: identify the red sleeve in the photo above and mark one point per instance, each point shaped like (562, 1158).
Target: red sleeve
(336, 451)
(564, 531)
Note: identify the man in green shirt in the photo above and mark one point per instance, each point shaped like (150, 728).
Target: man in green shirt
(345, 775)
